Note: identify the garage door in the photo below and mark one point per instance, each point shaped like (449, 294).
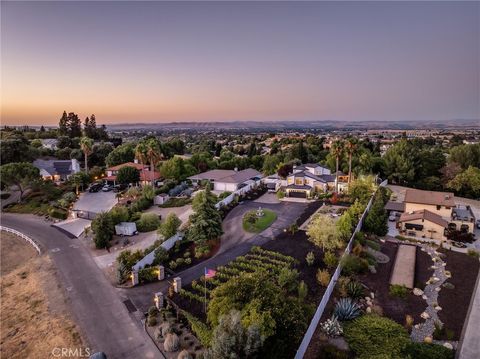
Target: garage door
(297, 194)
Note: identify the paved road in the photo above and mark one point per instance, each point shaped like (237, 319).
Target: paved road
(235, 242)
(470, 343)
(96, 305)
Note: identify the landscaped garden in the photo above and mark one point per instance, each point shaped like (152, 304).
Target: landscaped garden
(256, 221)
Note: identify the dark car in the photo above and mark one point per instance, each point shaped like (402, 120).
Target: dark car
(95, 187)
(459, 244)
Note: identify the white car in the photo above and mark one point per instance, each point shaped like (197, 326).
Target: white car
(107, 188)
(392, 218)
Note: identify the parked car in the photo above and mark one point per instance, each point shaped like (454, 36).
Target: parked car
(459, 244)
(107, 188)
(478, 223)
(95, 187)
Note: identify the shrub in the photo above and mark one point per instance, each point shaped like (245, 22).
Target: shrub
(151, 321)
(323, 277)
(373, 245)
(165, 329)
(302, 290)
(148, 222)
(441, 332)
(360, 237)
(200, 329)
(152, 311)
(171, 343)
(354, 289)
(119, 214)
(69, 197)
(473, 253)
(372, 336)
(346, 309)
(353, 265)
(172, 265)
(330, 351)
(287, 278)
(170, 226)
(310, 258)
(184, 354)
(332, 327)
(409, 322)
(330, 259)
(160, 256)
(58, 213)
(399, 291)
(147, 275)
(280, 194)
(188, 261)
(427, 351)
(342, 284)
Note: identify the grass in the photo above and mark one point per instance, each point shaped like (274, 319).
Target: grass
(261, 223)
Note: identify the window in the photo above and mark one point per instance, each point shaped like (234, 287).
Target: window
(439, 207)
(417, 227)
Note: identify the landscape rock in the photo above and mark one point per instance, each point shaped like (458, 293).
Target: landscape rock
(417, 291)
(448, 346)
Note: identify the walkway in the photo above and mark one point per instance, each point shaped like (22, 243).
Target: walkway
(404, 267)
(470, 342)
(97, 308)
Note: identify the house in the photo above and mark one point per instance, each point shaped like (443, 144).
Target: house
(57, 170)
(313, 168)
(160, 199)
(227, 180)
(308, 179)
(50, 143)
(430, 214)
(146, 176)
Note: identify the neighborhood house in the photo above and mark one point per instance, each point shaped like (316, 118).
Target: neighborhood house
(57, 170)
(146, 176)
(430, 214)
(227, 180)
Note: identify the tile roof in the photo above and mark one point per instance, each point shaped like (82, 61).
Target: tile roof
(228, 176)
(424, 215)
(138, 166)
(430, 197)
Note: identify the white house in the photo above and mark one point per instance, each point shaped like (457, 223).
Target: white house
(227, 180)
(57, 170)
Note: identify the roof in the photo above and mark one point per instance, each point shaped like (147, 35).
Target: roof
(423, 215)
(328, 178)
(228, 176)
(138, 166)
(54, 167)
(313, 165)
(308, 174)
(395, 206)
(463, 213)
(430, 197)
(147, 175)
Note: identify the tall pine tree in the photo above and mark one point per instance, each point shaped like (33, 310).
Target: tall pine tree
(63, 125)
(206, 222)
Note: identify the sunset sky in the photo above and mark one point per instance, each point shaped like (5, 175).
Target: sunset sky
(161, 61)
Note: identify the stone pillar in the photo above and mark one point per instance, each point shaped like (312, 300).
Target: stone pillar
(159, 300)
(134, 277)
(177, 284)
(161, 272)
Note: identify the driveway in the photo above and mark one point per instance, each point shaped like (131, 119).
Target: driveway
(97, 307)
(183, 212)
(235, 242)
(96, 201)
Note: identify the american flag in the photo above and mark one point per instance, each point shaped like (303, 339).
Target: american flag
(210, 273)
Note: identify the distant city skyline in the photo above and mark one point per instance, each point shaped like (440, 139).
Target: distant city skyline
(132, 62)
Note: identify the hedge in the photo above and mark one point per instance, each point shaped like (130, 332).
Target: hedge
(427, 351)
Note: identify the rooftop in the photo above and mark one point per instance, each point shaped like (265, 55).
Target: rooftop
(430, 197)
(228, 176)
(423, 215)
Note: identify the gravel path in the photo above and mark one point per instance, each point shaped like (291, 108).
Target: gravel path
(430, 294)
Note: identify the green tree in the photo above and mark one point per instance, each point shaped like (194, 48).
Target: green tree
(350, 148)
(119, 214)
(127, 175)
(154, 154)
(86, 144)
(122, 154)
(376, 219)
(103, 229)
(205, 222)
(270, 164)
(362, 188)
(176, 168)
(19, 174)
(467, 183)
(337, 150)
(170, 226)
(401, 162)
(232, 340)
(323, 232)
(79, 179)
(63, 124)
(466, 155)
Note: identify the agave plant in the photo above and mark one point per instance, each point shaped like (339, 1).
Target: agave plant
(346, 309)
(354, 290)
(332, 327)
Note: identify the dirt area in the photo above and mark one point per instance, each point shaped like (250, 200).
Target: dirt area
(455, 302)
(393, 307)
(14, 251)
(34, 315)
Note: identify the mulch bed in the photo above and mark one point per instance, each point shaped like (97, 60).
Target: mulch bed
(190, 246)
(455, 302)
(297, 246)
(311, 209)
(379, 283)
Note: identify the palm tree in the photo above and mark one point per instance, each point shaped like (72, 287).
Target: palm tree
(350, 147)
(154, 154)
(86, 144)
(337, 149)
(141, 153)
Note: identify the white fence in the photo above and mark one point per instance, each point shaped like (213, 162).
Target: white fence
(227, 200)
(27, 238)
(331, 286)
(167, 245)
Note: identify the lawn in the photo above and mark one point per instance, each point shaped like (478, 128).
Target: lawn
(261, 223)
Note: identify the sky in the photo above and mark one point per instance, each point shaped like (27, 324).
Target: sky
(224, 61)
